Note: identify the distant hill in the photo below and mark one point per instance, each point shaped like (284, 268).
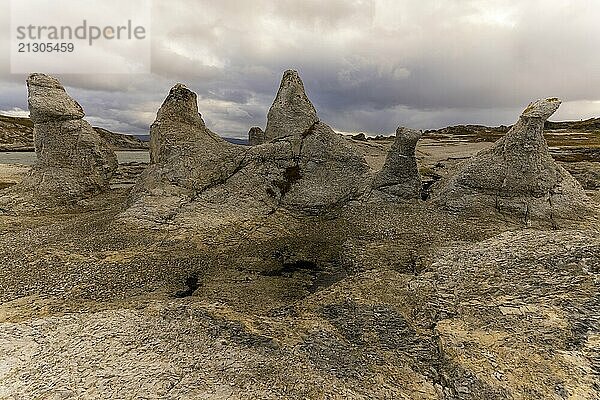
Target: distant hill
(486, 133)
(16, 134)
(119, 141)
(243, 142)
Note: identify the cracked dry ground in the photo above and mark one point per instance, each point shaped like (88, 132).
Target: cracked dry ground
(380, 301)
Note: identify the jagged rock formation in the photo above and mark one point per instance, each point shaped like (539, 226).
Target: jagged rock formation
(185, 156)
(292, 113)
(256, 136)
(379, 300)
(306, 166)
(73, 162)
(400, 173)
(320, 170)
(517, 175)
(328, 172)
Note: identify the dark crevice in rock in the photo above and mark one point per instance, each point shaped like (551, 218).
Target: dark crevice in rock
(290, 176)
(426, 189)
(311, 129)
(412, 266)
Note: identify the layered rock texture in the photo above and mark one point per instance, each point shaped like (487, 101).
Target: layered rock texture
(517, 175)
(305, 166)
(16, 134)
(73, 162)
(399, 176)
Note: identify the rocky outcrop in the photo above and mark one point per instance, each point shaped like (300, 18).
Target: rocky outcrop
(320, 170)
(329, 171)
(73, 162)
(256, 136)
(304, 167)
(292, 113)
(516, 176)
(16, 134)
(399, 176)
(185, 156)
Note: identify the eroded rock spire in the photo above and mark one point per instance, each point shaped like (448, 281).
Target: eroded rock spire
(256, 136)
(309, 168)
(73, 162)
(517, 175)
(185, 156)
(400, 173)
(292, 113)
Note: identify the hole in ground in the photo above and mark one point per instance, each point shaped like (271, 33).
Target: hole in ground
(320, 277)
(191, 284)
(426, 189)
(289, 268)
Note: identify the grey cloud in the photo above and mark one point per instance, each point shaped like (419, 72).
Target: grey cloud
(367, 65)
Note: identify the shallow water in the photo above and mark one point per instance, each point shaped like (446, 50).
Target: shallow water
(28, 158)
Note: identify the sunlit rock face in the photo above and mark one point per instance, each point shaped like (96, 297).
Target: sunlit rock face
(516, 176)
(73, 161)
(399, 176)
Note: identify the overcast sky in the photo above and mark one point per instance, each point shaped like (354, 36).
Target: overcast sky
(367, 65)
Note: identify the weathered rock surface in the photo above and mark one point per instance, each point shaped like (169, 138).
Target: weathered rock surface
(400, 173)
(292, 113)
(256, 136)
(231, 295)
(194, 174)
(516, 176)
(90, 309)
(73, 162)
(586, 173)
(185, 156)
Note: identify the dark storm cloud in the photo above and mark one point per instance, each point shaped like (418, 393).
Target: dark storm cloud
(367, 65)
